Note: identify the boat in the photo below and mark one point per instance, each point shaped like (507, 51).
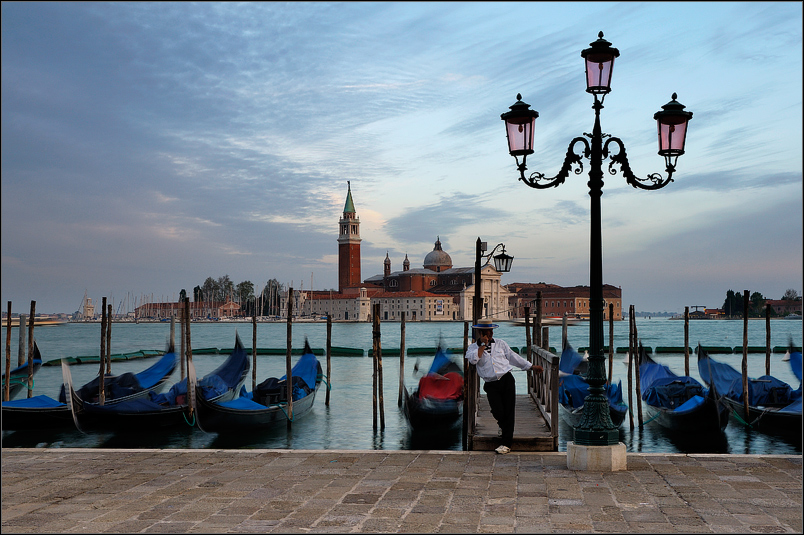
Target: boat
(44, 412)
(680, 403)
(18, 377)
(573, 390)
(436, 404)
(169, 410)
(267, 406)
(773, 406)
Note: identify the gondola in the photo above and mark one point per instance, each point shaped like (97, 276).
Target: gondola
(773, 406)
(267, 406)
(44, 412)
(18, 377)
(169, 410)
(573, 390)
(436, 404)
(679, 403)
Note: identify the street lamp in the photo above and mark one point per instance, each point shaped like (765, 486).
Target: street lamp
(596, 427)
(502, 263)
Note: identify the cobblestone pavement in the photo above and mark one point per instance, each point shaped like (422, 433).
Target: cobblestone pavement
(345, 491)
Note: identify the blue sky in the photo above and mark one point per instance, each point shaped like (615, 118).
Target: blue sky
(148, 146)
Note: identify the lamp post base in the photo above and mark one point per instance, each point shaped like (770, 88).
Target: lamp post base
(596, 458)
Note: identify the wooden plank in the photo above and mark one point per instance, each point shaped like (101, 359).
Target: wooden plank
(531, 433)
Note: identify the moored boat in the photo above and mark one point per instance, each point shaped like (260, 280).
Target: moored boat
(437, 401)
(679, 403)
(267, 406)
(774, 407)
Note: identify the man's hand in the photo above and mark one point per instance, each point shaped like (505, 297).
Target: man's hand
(481, 345)
(536, 368)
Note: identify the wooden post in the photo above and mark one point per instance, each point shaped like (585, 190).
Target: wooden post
(8, 354)
(564, 332)
(101, 385)
(537, 324)
(172, 331)
(109, 340)
(686, 340)
(379, 378)
(401, 360)
(528, 348)
(746, 401)
(182, 342)
(21, 353)
(611, 341)
(631, 363)
(189, 357)
(527, 331)
(375, 328)
(546, 338)
(254, 350)
(329, 357)
(289, 384)
(31, 348)
(637, 384)
(767, 338)
(465, 416)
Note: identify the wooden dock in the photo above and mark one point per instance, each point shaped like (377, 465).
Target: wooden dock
(531, 432)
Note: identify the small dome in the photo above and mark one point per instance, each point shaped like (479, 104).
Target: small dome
(437, 259)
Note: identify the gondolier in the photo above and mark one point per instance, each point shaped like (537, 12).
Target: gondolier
(495, 359)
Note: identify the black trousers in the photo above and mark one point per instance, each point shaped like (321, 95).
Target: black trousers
(502, 400)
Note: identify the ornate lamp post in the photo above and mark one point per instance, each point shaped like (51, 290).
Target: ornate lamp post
(502, 263)
(596, 427)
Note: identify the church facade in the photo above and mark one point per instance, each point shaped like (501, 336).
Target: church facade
(435, 292)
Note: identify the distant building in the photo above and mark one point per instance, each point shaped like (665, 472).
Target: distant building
(436, 292)
(558, 300)
(783, 307)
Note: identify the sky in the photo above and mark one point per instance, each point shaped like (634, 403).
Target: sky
(149, 146)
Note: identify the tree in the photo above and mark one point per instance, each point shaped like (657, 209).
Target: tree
(757, 304)
(209, 290)
(224, 289)
(791, 295)
(197, 294)
(733, 305)
(244, 291)
(182, 295)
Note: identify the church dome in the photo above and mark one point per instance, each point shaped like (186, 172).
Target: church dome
(437, 259)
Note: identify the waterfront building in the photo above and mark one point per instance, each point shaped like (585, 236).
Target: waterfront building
(783, 307)
(435, 292)
(558, 300)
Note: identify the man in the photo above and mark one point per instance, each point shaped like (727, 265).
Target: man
(495, 359)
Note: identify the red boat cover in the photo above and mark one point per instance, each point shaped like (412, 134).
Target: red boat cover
(449, 386)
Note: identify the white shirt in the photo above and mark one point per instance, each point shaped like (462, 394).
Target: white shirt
(496, 361)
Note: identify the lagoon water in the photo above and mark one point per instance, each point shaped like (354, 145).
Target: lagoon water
(347, 422)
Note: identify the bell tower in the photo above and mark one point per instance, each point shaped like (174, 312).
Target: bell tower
(349, 246)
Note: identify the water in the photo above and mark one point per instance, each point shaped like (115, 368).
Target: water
(347, 422)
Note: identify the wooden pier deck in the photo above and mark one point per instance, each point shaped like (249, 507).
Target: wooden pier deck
(531, 432)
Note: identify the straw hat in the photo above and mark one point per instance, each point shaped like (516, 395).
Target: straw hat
(485, 324)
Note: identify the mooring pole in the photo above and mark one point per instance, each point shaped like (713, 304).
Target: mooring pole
(109, 340)
(287, 357)
(686, 340)
(767, 338)
(8, 354)
(329, 357)
(746, 401)
(254, 350)
(101, 375)
(401, 361)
